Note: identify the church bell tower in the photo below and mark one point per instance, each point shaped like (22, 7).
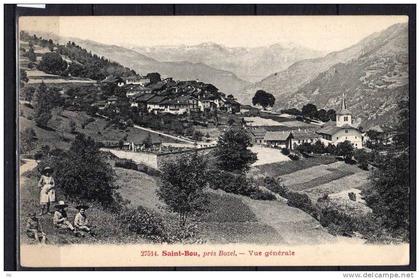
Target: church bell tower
(343, 116)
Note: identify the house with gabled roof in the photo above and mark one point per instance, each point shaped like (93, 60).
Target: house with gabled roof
(281, 139)
(303, 136)
(155, 105)
(180, 104)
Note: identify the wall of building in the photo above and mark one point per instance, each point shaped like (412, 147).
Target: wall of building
(146, 158)
(352, 135)
(153, 160)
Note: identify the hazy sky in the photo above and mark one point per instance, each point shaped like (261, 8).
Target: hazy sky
(326, 33)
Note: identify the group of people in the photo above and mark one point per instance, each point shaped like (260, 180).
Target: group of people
(34, 228)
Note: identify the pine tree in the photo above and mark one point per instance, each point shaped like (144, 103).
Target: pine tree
(42, 106)
(232, 151)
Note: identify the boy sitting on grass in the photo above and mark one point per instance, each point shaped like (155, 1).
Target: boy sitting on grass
(34, 229)
(81, 222)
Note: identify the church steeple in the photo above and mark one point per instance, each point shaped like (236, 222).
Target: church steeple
(343, 103)
(343, 117)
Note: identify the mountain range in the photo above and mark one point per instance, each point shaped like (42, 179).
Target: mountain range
(373, 74)
(250, 64)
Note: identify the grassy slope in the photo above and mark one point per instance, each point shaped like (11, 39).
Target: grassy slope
(228, 219)
(59, 136)
(108, 227)
(283, 168)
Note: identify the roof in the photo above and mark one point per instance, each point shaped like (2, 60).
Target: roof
(331, 130)
(156, 99)
(329, 123)
(343, 109)
(343, 112)
(112, 79)
(299, 135)
(258, 133)
(100, 103)
(181, 100)
(259, 121)
(277, 136)
(376, 128)
(144, 97)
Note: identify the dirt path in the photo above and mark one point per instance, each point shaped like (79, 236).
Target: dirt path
(27, 166)
(294, 226)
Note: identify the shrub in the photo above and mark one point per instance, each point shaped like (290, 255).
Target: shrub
(275, 186)
(230, 182)
(293, 157)
(338, 223)
(285, 151)
(126, 164)
(148, 170)
(362, 157)
(352, 196)
(301, 201)
(261, 195)
(144, 223)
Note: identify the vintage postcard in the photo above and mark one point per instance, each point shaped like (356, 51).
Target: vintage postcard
(213, 141)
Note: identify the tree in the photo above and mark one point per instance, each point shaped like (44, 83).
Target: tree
(154, 77)
(323, 115)
(376, 139)
(52, 63)
(344, 149)
(42, 108)
(83, 174)
(390, 192)
(45, 99)
(263, 99)
(27, 140)
(362, 158)
(31, 54)
(232, 151)
(182, 187)
(318, 147)
(310, 110)
(76, 70)
(27, 93)
(331, 114)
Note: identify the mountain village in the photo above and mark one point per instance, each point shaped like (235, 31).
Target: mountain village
(296, 171)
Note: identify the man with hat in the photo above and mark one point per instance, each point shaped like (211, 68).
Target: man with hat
(47, 194)
(81, 222)
(34, 228)
(60, 217)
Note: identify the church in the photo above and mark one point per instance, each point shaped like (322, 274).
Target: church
(342, 129)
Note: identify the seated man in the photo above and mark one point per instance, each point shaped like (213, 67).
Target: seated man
(34, 229)
(81, 221)
(60, 217)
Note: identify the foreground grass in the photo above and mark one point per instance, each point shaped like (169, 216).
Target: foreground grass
(108, 227)
(227, 219)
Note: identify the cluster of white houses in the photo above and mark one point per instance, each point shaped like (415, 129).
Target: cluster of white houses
(168, 96)
(332, 132)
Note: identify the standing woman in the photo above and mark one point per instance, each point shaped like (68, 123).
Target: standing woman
(47, 186)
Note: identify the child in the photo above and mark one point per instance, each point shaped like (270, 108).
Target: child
(60, 217)
(34, 229)
(81, 221)
(47, 194)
